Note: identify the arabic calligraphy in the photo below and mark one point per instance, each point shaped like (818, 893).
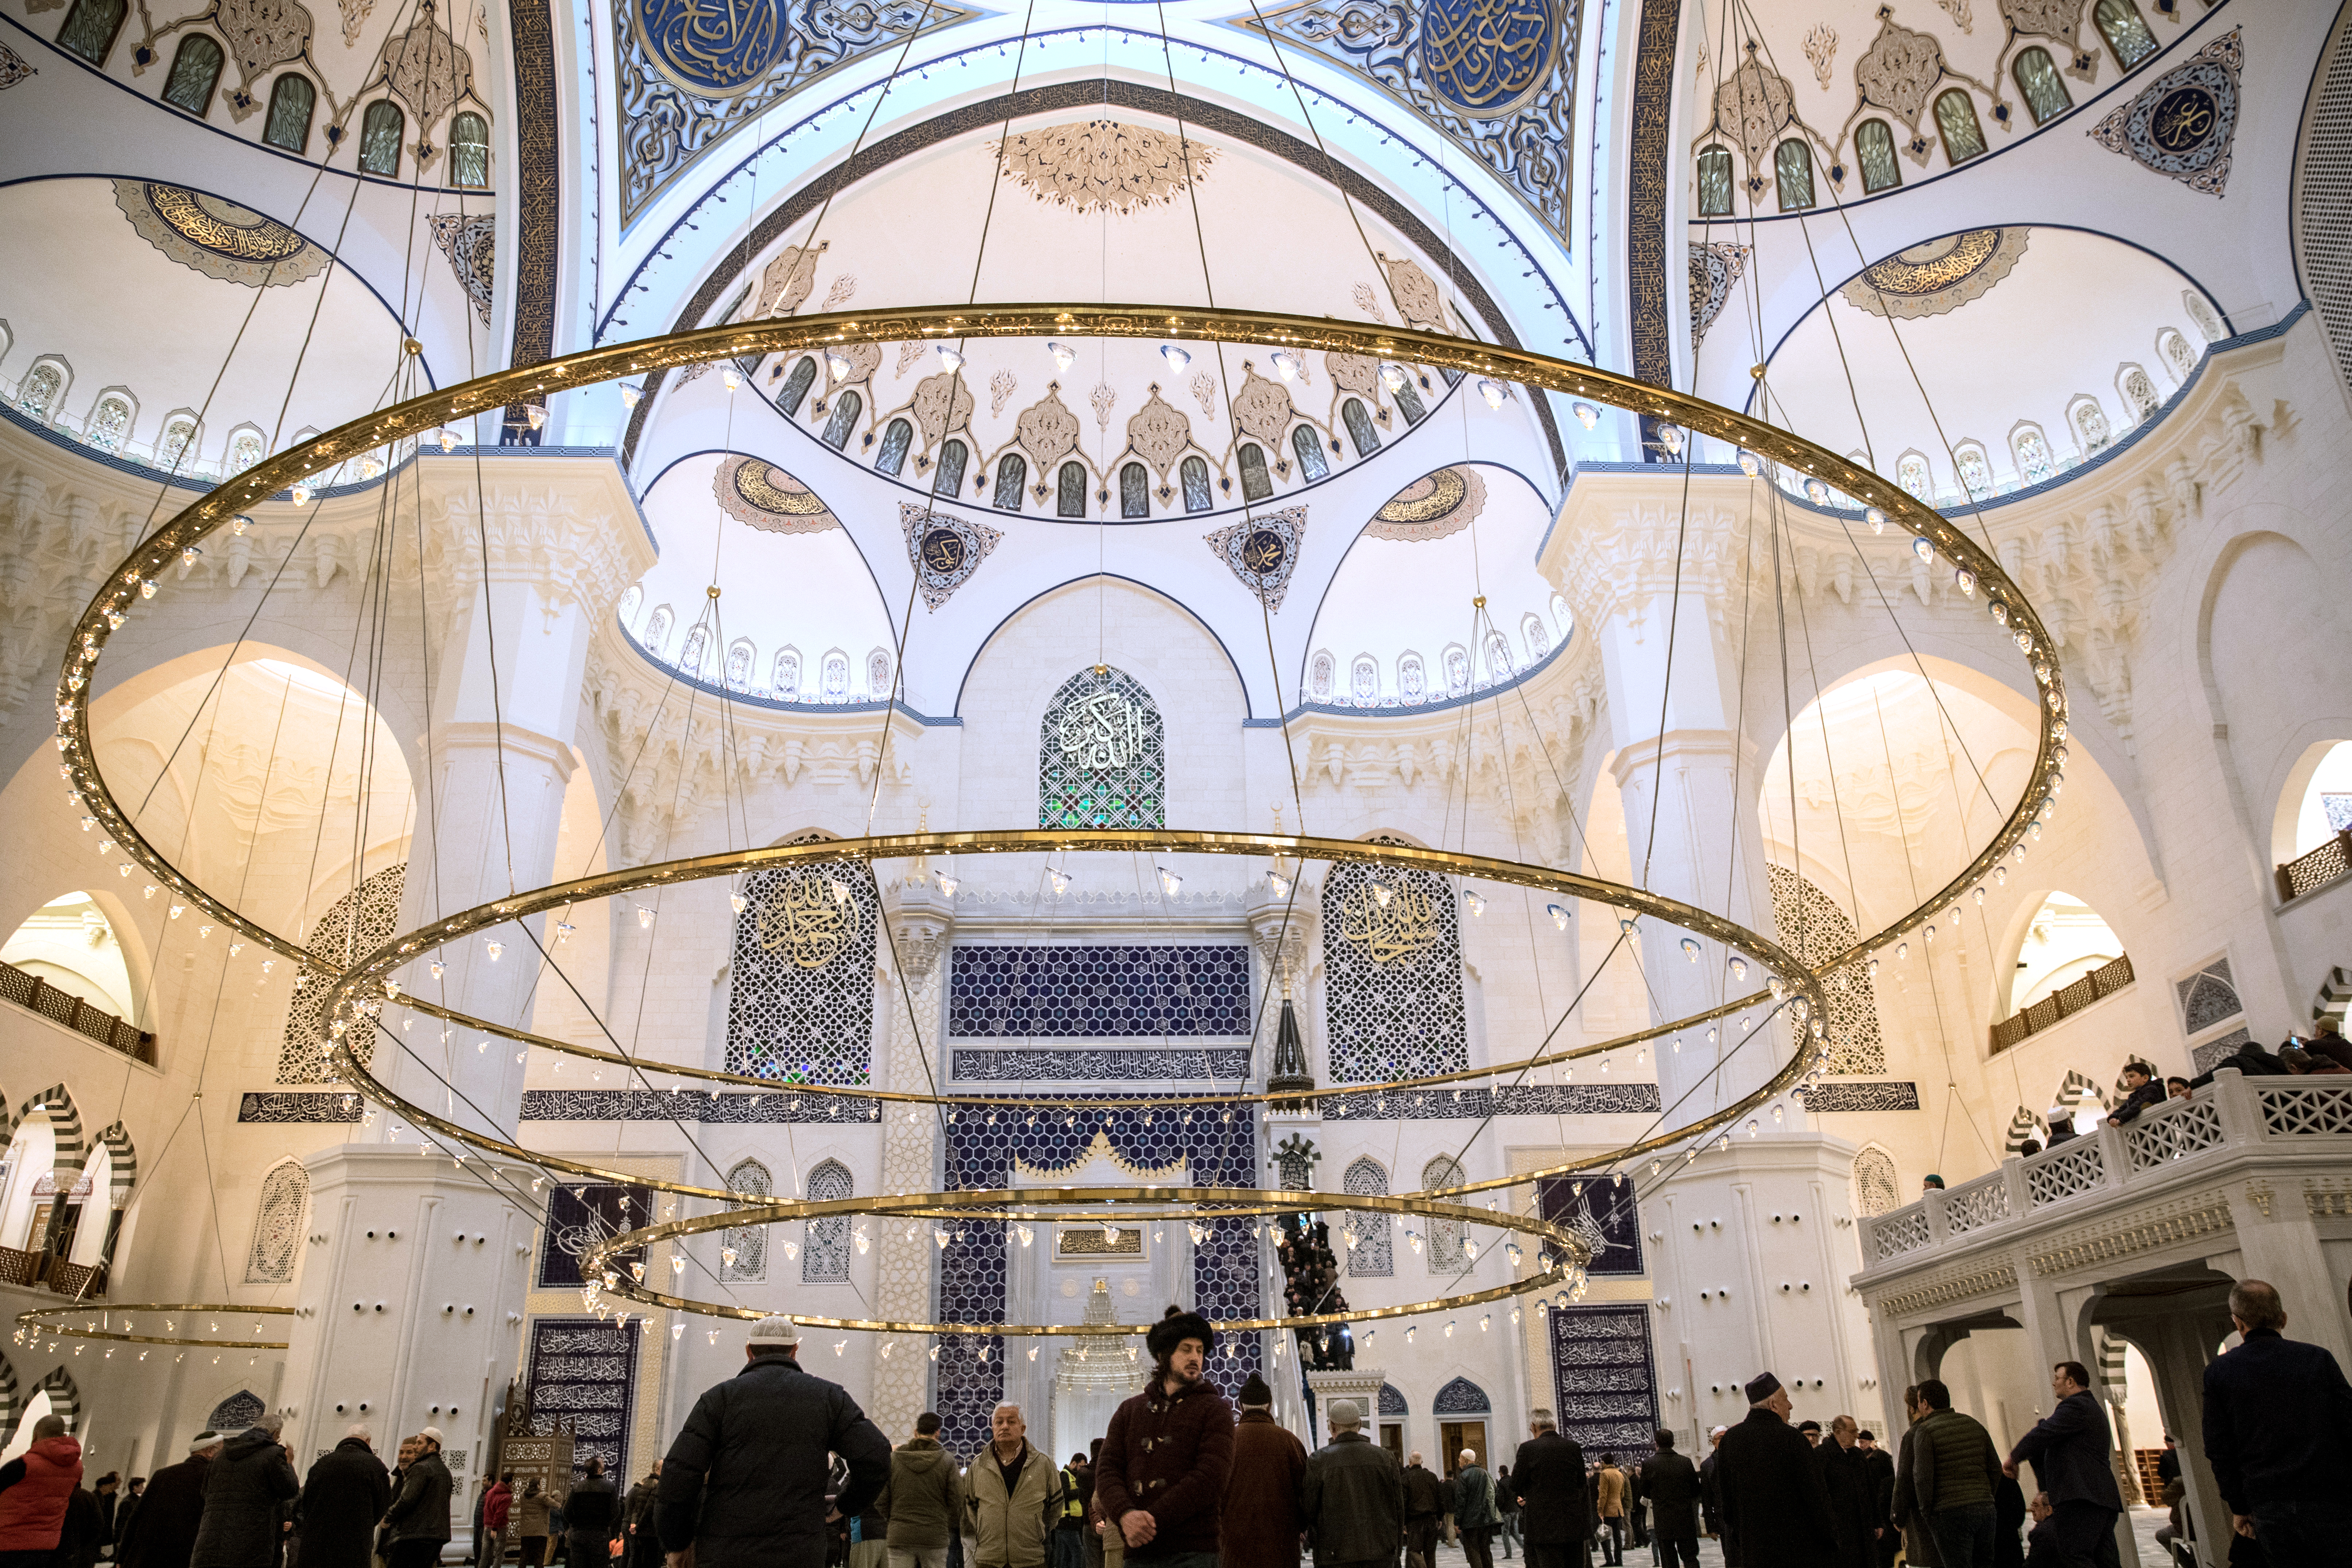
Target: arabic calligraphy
(1397, 929)
(716, 47)
(806, 922)
(943, 551)
(1263, 551)
(1101, 731)
(2184, 120)
(1486, 56)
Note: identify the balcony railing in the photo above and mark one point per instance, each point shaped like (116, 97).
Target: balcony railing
(2067, 1000)
(65, 1008)
(81, 1281)
(2314, 870)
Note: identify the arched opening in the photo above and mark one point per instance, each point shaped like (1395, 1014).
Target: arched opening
(68, 946)
(2065, 941)
(2316, 808)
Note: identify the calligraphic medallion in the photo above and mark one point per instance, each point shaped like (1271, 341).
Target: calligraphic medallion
(1390, 924)
(2184, 123)
(716, 48)
(809, 919)
(1488, 57)
(2184, 118)
(217, 237)
(1262, 552)
(1101, 731)
(945, 549)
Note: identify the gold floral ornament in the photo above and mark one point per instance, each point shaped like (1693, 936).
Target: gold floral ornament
(1431, 507)
(754, 491)
(809, 919)
(786, 282)
(217, 239)
(1047, 430)
(1416, 294)
(1102, 163)
(1159, 433)
(1939, 276)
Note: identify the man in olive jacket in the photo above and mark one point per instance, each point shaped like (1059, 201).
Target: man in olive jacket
(1352, 1499)
(743, 1485)
(1012, 1499)
(244, 1491)
(419, 1516)
(924, 1500)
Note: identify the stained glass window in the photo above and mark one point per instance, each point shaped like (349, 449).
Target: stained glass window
(291, 99)
(748, 1243)
(1955, 117)
(196, 71)
(895, 442)
(1364, 682)
(1308, 444)
(1070, 490)
(1911, 473)
(1874, 146)
(178, 434)
(846, 409)
(381, 130)
(1256, 484)
(109, 424)
(1715, 182)
(785, 684)
(1319, 680)
(2176, 353)
(1367, 1232)
(1134, 490)
(1410, 400)
(2140, 392)
(2034, 460)
(40, 393)
(1976, 474)
(1792, 167)
(738, 667)
(690, 657)
(877, 676)
(90, 27)
(470, 149)
(825, 1255)
(1498, 657)
(1447, 1255)
(1392, 973)
(1360, 427)
(1101, 754)
(657, 631)
(277, 1225)
(796, 389)
(1011, 474)
(836, 676)
(1539, 644)
(2091, 424)
(1412, 679)
(950, 480)
(1457, 670)
(2119, 22)
(1194, 475)
(800, 999)
(243, 450)
(2046, 97)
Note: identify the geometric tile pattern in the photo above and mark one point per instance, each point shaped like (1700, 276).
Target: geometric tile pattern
(1000, 990)
(1392, 975)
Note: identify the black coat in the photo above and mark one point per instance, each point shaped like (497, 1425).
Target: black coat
(161, 1530)
(1548, 1476)
(1710, 1493)
(1853, 1502)
(2007, 1523)
(82, 1531)
(1425, 1494)
(244, 1492)
(1351, 1499)
(1776, 1512)
(594, 1509)
(2278, 1422)
(421, 1510)
(744, 1482)
(1671, 1483)
(345, 1495)
(2069, 1449)
(1881, 1465)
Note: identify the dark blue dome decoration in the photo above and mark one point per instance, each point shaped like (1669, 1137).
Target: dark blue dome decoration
(715, 49)
(1461, 1397)
(1486, 58)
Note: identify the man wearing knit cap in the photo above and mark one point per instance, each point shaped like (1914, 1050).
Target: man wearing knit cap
(1353, 1499)
(1259, 1523)
(1776, 1510)
(1168, 1451)
(743, 1485)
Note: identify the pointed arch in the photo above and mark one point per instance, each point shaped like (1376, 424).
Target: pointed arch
(1460, 1397)
(238, 1412)
(1369, 1256)
(122, 1166)
(825, 1253)
(1102, 759)
(12, 1401)
(1447, 1237)
(278, 1224)
(72, 1145)
(747, 1244)
(65, 1398)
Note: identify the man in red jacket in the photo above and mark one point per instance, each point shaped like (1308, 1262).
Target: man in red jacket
(1168, 1452)
(35, 1488)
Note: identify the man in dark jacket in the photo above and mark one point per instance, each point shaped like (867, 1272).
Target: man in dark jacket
(419, 1514)
(644, 1549)
(1881, 1465)
(1258, 1522)
(345, 1493)
(1670, 1481)
(1853, 1495)
(1548, 1476)
(82, 1533)
(1352, 1498)
(246, 1491)
(1424, 1511)
(2070, 1450)
(161, 1531)
(744, 1482)
(1168, 1452)
(2277, 1415)
(923, 1503)
(1710, 1485)
(1776, 1512)
(592, 1514)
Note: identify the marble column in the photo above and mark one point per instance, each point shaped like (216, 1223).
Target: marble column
(921, 921)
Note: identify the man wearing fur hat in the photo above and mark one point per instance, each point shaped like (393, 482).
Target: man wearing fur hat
(1168, 1452)
(1260, 1524)
(1776, 1508)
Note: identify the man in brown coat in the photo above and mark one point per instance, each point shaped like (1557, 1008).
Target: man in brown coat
(1167, 1453)
(1259, 1524)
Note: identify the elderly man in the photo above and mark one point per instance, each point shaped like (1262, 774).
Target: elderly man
(1776, 1512)
(1671, 1483)
(1547, 1475)
(2069, 1449)
(1013, 1498)
(1710, 1488)
(1352, 1498)
(2277, 1415)
(345, 1493)
(246, 1493)
(1168, 1452)
(162, 1531)
(1473, 1504)
(419, 1514)
(743, 1485)
(1853, 1495)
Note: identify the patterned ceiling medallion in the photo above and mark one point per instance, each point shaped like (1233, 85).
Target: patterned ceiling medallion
(1753, 107)
(1263, 551)
(1938, 277)
(264, 34)
(752, 492)
(1046, 429)
(1263, 409)
(714, 50)
(13, 68)
(425, 67)
(1431, 507)
(217, 239)
(1102, 163)
(945, 549)
(2184, 122)
(1159, 433)
(470, 244)
(1416, 294)
(1715, 270)
(786, 281)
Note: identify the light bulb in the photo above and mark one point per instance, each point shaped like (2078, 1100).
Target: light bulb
(1279, 883)
(436, 967)
(1169, 882)
(240, 524)
(1493, 392)
(837, 365)
(1670, 436)
(536, 413)
(1176, 357)
(730, 378)
(1380, 895)
(1922, 549)
(630, 395)
(1393, 377)
(947, 884)
(1748, 465)
(1817, 492)
(1738, 967)
(1586, 415)
(495, 949)
(1064, 356)
(1060, 880)
(1876, 519)
(1690, 948)
(301, 496)
(1476, 905)
(950, 359)
(1559, 916)
(738, 900)
(644, 917)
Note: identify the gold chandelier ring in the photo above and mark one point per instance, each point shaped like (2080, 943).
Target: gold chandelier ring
(100, 1320)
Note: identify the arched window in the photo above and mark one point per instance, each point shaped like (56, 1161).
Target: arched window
(1256, 483)
(1409, 400)
(1876, 1190)
(657, 631)
(1011, 474)
(895, 442)
(196, 71)
(2090, 422)
(1715, 182)
(1911, 473)
(238, 1412)
(1102, 759)
(2202, 314)
(800, 996)
(1412, 678)
(690, 657)
(796, 389)
(1457, 670)
(1498, 657)
(1070, 490)
(877, 676)
(291, 101)
(1308, 444)
(2046, 97)
(1955, 117)
(1792, 167)
(180, 433)
(1134, 490)
(2176, 353)
(1873, 147)
(846, 409)
(2138, 392)
(381, 130)
(835, 676)
(737, 676)
(1364, 681)
(949, 482)
(2034, 462)
(1360, 427)
(1539, 642)
(784, 684)
(38, 395)
(744, 1256)
(1447, 1252)
(1194, 475)
(2119, 22)
(469, 150)
(626, 611)
(89, 29)
(360, 922)
(1564, 618)
(1367, 1233)
(1392, 973)
(824, 1255)
(1975, 473)
(1320, 675)
(243, 450)
(110, 421)
(278, 1225)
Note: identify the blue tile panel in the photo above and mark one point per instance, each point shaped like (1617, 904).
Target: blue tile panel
(1605, 1380)
(584, 1379)
(1193, 990)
